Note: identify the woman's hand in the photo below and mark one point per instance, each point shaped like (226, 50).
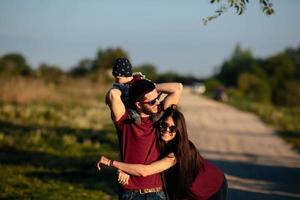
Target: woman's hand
(104, 161)
(123, 178)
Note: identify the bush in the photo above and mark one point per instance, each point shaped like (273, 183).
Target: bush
(50, 73)
(254, 87)
(288, 94)
(167, 77)
(212, 84)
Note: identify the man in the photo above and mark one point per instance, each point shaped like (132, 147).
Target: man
(138, 141)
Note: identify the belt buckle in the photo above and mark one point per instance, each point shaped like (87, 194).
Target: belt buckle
(144, 191)
(148, 190)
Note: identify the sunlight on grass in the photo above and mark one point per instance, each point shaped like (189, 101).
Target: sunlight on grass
(48, 149)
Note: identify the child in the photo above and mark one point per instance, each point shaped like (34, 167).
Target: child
(122, 72)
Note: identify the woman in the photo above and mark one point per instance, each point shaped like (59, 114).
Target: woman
(187, 175)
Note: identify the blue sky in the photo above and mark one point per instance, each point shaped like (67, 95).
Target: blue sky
(168, 34)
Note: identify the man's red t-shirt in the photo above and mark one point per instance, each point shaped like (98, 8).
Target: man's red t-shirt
(138, 145)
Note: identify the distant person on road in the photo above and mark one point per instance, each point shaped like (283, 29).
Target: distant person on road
(220, 94)
(137, 141)
(188, 174)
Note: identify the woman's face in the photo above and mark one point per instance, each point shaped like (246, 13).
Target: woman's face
(167, 129)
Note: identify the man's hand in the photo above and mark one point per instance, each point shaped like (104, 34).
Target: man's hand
(173, 91)
(123, 178)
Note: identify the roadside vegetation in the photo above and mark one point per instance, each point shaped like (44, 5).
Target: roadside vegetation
(51, 135)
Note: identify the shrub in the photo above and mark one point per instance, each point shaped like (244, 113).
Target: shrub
(288, 94)
(254, 87)
(212, 84)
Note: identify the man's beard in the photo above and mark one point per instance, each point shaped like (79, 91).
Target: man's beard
(149, 111)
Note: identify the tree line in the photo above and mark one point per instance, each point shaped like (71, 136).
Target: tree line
(96, 69)
(275, 79)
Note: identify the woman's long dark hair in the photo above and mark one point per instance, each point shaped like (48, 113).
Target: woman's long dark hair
(180, 177)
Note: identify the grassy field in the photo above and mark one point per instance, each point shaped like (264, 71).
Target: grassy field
(285, 120)
(51, 136)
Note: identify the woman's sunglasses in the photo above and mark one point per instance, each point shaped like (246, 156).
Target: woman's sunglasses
(164, 127)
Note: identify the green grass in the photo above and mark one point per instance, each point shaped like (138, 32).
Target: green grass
(49, 151)
(285, 120)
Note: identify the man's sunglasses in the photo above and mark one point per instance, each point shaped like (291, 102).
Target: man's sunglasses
(153, 101)
(164, 127)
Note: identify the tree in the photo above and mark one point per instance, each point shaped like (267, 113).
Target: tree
(83, 68)
(14, 64)
(240, 61)
(239, 6)
(148, 70)
(105, 58)
(294, 55)
(168, 77)
(254, 87)
(280, 69)
(51, 73)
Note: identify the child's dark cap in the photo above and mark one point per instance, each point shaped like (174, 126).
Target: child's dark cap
(122, 67)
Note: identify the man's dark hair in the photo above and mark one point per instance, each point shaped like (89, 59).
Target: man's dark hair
(139, 88)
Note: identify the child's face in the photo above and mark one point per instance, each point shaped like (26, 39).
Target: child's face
(122, 79)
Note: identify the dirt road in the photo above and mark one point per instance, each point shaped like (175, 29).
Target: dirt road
(257, 163)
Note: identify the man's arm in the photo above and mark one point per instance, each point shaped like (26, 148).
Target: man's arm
(173, 91)
(114, 101)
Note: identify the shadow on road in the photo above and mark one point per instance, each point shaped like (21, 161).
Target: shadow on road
(254, 181)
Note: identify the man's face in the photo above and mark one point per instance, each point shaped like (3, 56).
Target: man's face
(150, 102)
